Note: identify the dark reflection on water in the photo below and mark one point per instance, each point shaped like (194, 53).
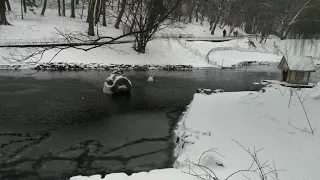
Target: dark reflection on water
(54, 125)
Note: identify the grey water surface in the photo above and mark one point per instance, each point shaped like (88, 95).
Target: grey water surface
(57, 124)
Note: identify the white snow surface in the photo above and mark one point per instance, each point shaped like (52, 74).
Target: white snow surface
(229, 58)
(34, 27)
(164, 174)
(255, 120)
(301, 63)
(273, 50)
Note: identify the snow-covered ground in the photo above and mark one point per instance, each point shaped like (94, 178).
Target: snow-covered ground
(255, 120)
(196, 30)
(271, 51)
(233, 57)
(159, 52)
(33, 27)
(164, 174)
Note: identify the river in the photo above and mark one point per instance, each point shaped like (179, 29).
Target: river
(54, 125)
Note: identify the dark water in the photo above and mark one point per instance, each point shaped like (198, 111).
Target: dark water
(54, 125)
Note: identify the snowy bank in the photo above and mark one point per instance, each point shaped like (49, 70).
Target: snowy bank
(260, 120)
(164, 174)
(238, 50)
(159, 52)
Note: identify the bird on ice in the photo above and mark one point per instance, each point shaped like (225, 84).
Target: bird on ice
(150, 79)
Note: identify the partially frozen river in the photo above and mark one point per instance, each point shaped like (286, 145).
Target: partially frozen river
(54, 125)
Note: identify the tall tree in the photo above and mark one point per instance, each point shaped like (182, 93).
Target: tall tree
(119, 18)
(89, 7)
(98, 8)
(3, 18)
(104, 21)
(63, 8)
(59, 7)
(190, 9)
(91, 18)
(21, 8)
(73, 15)
(151, 14)
(44, 7)
(8, 5)
(24, 6)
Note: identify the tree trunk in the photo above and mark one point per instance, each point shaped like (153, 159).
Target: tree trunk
(202, 19)
(216, 23)
(89, 6)
(24, 6)
(8, 5)
(82, 9)
(104, 21)
(3, 18)
(21, 8)
(211, 22)
(44, 7)
(190, 17)
(140, 44)
(63, 8)
(97, 12)
(197, 14)
(91, 18)
(73, 15)
(59, 8)
(123, 7)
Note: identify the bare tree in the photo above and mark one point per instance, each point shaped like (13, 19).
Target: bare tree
(59, 7)
(89, 7)
(190, 9)
(44, 7)
(82, 9)
(119, 18)
(8, 5)
(3, 18)
(73, 15)
(63, 8)
(97, 12)
(91, 18)
(104, 21)
(24, 6)
(218, 4)
(148, 17)
(21, 8)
